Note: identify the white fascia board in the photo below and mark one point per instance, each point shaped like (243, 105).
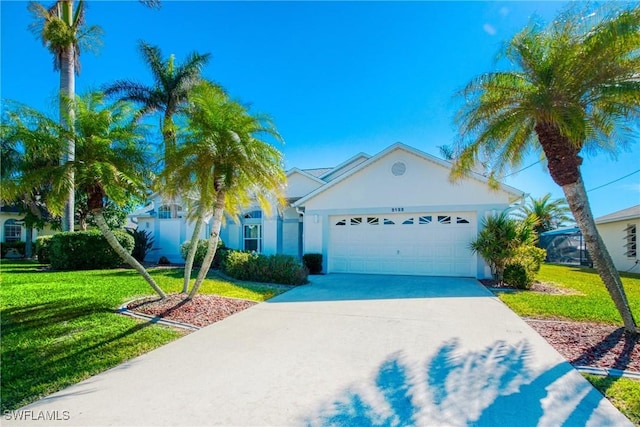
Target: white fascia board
(305, 174)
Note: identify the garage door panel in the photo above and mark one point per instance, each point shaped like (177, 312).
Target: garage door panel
(425, 244)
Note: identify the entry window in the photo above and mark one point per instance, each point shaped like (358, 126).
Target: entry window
(408, 221)
(373, 220)
(253, 237)
(12, 231)
(388, 222)
(356, 221)
(342, 222)
(631, 245)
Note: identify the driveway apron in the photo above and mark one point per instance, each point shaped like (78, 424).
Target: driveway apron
(345, 350)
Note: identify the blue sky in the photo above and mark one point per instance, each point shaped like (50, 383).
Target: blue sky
(338, 78)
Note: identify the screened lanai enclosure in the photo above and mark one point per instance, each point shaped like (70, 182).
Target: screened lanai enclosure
(565, 246)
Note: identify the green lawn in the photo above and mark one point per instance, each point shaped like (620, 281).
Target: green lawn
(59, 328)
(591, 304)
(624, 393)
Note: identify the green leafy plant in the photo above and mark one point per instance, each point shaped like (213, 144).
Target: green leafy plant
(251, 266)
(43, 249)
(518, 276)
(86, 250)
(501, 240)
(313, 262)
(142, 243)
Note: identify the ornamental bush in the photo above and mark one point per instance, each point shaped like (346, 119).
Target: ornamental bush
(313, 262)
(251, 266)
(518, 276)
(142, 243)
(201, 252)
(43, 249)
(86, 250)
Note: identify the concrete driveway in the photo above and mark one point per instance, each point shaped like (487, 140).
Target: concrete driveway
(345, 350)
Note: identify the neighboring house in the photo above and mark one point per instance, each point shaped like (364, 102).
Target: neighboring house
(393, 213)
(12, 227)
(619, 230)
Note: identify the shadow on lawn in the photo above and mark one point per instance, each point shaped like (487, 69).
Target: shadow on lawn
(492, 387)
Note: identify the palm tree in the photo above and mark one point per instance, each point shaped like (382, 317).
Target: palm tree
(110, 162)
(226, 163)
(64, 33)
(170, 91)
(546, 214)
(575, 85)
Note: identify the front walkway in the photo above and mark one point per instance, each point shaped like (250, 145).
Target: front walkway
(346, 350)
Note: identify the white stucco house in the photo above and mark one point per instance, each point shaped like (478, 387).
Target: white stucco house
(12, 227)
(395, 212)
(619, 230)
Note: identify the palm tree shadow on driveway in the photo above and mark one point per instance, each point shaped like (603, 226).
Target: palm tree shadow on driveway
(494, 386)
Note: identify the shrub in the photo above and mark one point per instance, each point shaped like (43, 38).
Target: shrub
(531, 257)
(43, 249)
(518, 276)
(18, 246)
(164, 261)
(313, 262)
(86, 250)
(142, 243)
(283, 269)
(201, 252)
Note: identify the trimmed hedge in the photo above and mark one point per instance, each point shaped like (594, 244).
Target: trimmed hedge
(86, 250)
(518, 276)
(43, 249)
(313, 262)
(251, 266)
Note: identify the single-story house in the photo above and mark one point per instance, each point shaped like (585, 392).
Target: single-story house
(12, 228)
(619, 230)
(395, 212)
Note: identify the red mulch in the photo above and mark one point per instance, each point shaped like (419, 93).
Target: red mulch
(201, 311)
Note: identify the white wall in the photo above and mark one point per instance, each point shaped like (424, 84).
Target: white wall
(299, 185)
(614, 236)
(423, 183)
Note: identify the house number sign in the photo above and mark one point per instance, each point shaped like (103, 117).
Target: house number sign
(397, 209)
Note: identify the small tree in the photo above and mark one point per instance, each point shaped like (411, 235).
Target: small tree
(500, 241)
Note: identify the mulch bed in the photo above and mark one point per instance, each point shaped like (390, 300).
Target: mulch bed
(201, 311)
(582, 343)
(591, 344)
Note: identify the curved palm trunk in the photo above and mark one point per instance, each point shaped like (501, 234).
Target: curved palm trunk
(213, 242)
(126, 256)
(578, 202)
(564, 167)
(67, 90)
(192, 250)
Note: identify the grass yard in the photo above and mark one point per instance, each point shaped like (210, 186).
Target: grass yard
(591, 303)
(59, 328)
(624, 393)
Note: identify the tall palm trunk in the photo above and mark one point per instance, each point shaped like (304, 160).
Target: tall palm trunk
(67, 117)
(195, 238)
(212, 247)
(126, 256)
(564, 167)
(576, 196)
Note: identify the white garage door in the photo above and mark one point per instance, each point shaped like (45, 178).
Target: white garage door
(433, 244)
